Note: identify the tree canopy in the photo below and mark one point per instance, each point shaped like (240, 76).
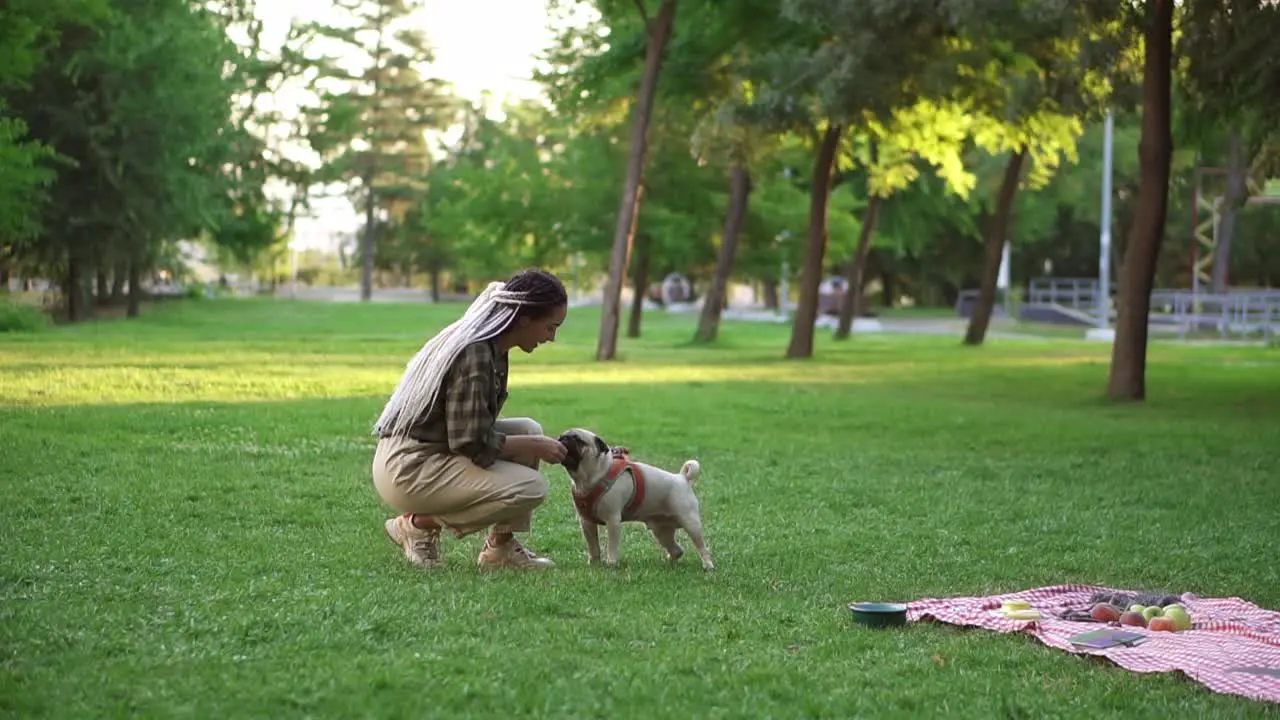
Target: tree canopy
(898, 143)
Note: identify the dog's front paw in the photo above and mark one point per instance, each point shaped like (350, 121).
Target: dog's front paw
(593, 560)
(676, 554)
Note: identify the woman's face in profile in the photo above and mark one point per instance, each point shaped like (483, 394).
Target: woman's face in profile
(530, 332)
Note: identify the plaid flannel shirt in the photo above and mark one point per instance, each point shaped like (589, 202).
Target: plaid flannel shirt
(473, 393)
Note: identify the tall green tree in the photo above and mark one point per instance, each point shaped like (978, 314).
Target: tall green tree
(595, 83)
(725, 44)
(846, 63)
(1227, 88)
(141, 106)
(1232, 77)
(594, 79)
(683, 197)
(1127, 378)
(29, 36)
(658, 30)
(505, 196)
(890, 155)
(1055, 69)
(371, 129)
(266, 139)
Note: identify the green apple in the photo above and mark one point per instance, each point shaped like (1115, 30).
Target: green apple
(1151, 612)
(1179, 616)
(1136, 608)
(1170, 606)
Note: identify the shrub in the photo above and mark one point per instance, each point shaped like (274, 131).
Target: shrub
(17, 316)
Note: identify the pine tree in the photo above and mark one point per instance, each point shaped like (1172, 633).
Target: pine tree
(371, 132)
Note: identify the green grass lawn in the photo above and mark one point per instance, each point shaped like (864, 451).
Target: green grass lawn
(190, 529)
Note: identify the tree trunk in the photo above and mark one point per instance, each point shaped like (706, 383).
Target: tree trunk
(435, 283)
(712, 305)
(1127, 380)
(104, 291)
(371, 168)
(135, 288)
(851, 303)
(801, 345)
(1237, 193)
(887, 288)
(771, 295)
(73, 289)
(366, 249)
(659, 32)
(997, 235)
(117, 282)
(644, 252)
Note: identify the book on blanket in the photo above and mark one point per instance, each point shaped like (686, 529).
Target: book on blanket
(1107, 637)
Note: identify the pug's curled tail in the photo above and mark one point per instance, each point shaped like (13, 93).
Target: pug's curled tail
(691, 470)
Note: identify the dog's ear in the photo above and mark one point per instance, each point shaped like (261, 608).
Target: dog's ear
(601, 446)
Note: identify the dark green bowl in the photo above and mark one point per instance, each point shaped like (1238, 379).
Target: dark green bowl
(879, 615)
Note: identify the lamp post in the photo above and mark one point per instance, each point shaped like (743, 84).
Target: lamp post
(784, 271)
(1104, 331)
(293, 269)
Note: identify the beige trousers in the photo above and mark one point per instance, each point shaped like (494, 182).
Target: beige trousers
(455, 491)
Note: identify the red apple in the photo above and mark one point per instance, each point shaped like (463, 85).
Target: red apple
(1105, 612)
(1133, 618)
(1163, 624)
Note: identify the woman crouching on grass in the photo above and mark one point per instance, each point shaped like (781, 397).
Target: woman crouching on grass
(444, 459)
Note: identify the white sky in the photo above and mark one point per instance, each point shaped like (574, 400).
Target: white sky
(479, 45)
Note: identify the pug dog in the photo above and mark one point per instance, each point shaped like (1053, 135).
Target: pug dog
(609, 489)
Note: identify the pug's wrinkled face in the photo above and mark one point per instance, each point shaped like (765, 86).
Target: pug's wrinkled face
(587, 457)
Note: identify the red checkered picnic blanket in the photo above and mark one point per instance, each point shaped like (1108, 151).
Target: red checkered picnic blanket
(1233, 646)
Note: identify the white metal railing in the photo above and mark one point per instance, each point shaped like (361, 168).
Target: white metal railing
(1075, 293)
(1239, 313)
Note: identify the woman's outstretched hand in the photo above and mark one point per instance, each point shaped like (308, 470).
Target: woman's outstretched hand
(545, 449)
(541, 447)
(548, 449)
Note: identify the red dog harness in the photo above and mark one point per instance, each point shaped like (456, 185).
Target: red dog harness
(586, 504)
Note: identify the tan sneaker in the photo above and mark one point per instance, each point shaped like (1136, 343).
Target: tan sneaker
(421, 547)
(510, 554)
